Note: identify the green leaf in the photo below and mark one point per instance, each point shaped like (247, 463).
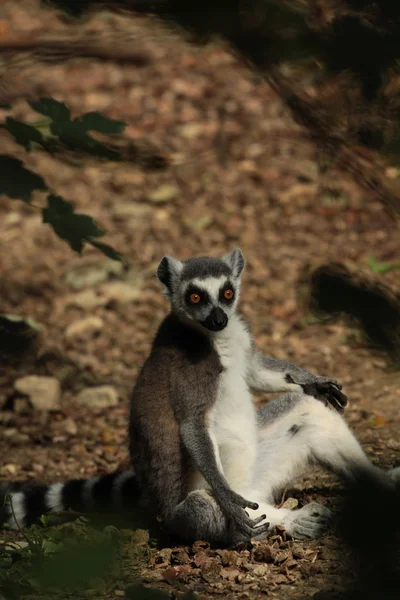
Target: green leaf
(74, 135)
(382, 267)
(75, 229)
(81, 141)
(95, 121)
(23, 133)
(18, 182)
(107, 250)
(57, 111)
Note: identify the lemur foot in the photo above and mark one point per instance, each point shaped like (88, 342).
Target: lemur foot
(308, 522)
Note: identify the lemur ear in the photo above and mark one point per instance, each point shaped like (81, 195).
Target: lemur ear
(168, 269)
(235, 260)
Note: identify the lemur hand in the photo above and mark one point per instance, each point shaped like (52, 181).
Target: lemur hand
(323, 388)
(328, 391)
(234, 507)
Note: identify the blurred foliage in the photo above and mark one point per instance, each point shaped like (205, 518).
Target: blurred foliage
(58, 134)
(382, 267)
(72, 559)
(59, 130)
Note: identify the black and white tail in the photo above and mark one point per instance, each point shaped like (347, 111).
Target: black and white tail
(22, 504)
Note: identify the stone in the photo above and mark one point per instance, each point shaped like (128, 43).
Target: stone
(290, 503)
(119, 291)
(131, 210)
(164, 193)
(44, 393)
(91, 274)
(83, 328)
(70, 426)
(10, 469)
(86, 299)
(101, 396)
(393, 444)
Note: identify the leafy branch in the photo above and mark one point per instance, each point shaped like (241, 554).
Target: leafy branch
(19, 182)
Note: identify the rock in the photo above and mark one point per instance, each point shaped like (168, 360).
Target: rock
(290, 503)
(83, 328)
(164, 193)
(130, 210)
(10, 469)
(119, 291)
(114, 291)
(37, 467)
(98, 397)
(70, 426)
(86, 299)
(44, 392)
(90, 274)
(191, 130)
(201, 223)
(393, 444)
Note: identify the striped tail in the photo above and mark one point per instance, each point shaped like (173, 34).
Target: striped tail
(115, 492)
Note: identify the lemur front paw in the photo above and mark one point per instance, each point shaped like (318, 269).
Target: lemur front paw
(244, 525)
(328, 391)
(234, 506)
(308, 522)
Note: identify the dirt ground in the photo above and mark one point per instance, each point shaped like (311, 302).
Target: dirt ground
(242, 173)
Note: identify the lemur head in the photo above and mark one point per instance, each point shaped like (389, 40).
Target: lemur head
(204, 290)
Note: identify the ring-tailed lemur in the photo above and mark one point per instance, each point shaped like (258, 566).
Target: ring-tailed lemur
(200, 451)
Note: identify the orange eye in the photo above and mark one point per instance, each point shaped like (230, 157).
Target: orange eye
(194, 298)
(228, 294)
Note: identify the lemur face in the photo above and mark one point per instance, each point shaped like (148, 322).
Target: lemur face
(204, 290)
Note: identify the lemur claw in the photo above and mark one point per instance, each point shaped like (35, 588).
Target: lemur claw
(327, 391)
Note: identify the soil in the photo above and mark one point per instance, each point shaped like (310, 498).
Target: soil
(241, 173)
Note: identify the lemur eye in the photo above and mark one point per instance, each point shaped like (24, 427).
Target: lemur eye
(195, 298)
(228, 294)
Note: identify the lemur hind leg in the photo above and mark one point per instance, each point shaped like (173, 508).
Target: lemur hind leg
(297, 431)
(199, 517)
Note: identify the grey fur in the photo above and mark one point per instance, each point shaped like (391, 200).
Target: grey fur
(275, 409)
(236, 261)
(203, 267)
(168, 435)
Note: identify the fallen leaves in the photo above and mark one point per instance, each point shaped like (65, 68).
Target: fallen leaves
(247, 568)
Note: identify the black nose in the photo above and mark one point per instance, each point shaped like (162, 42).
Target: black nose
(219, 321)
(216, 320)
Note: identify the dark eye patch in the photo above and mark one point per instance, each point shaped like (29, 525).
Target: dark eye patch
(226, 286)
(193, 289)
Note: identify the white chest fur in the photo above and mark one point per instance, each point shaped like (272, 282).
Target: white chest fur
(232, 422)
(233, 415)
